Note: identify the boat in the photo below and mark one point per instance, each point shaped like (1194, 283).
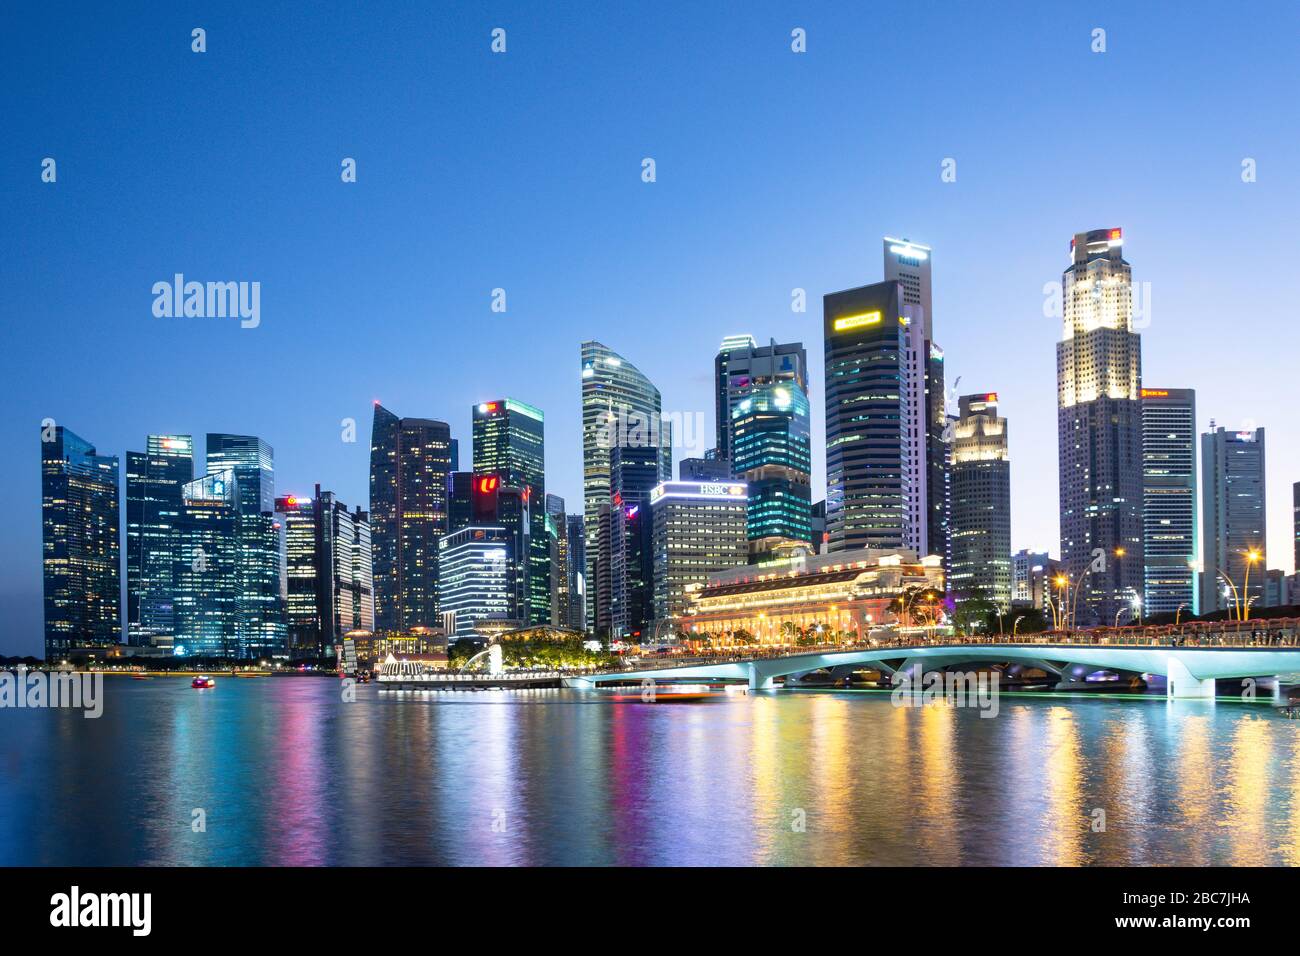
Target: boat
(202, 681)
(672, 694)
(141, 677)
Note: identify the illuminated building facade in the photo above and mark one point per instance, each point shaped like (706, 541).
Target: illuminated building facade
(620, 406)
(1233, 518)
(1170, 548)
(875, 420)
(848, 592)
(509, 443)
(633, 474)
(80, 549)
(206, 576)
(329, 579)
(260, 625)
(981, 503)
(909, 263)
(154, 479)
(410, 459)
(772, 454)
(1099, 426)
(698, 527)
(477, 582)
(742, 366)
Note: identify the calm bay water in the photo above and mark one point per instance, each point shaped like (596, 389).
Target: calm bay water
(288, 774)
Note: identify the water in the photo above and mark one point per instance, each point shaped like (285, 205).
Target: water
(287, 774)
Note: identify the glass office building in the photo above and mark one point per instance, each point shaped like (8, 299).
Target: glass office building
(154, 482)
(771, 453)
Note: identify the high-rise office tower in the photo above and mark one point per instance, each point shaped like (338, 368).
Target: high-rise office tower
(1234, 519)
(260, 617)
(577, 573)
(410, 459)
(154, 479)
(1023, 565)
(207, 565)
(633, 475)
(698, 527)
(253, 462)
(874, 460)
(1099, 425)
(981, 503)
(1295, 521)
(557, 532)
(740, 367)
(460, 509)
(80, 549)
(476, 583)
(509, 443)
(908, 263)
(328, 572)
(620, 406)
(772, 454)
(1169, 544)
(704, 469)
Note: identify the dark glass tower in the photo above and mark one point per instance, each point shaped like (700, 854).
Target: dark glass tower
(771, 452)
(741, 367)
(1099, 426)
(633, 475)
(1235, 519)
(867, 415)
(207, 568)
(154, 479)
(410, 459)
(509, 443)
(81, 553)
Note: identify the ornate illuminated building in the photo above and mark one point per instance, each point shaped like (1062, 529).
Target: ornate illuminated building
(1099, 426)
(848, 592)
(410, 459)
(620, 406)
(772, 454)
(980, 563)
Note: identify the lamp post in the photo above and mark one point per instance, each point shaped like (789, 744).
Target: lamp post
(1178, 612)
(1252, 556)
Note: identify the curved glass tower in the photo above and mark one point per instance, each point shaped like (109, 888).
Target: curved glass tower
(771, 452)
(620, 407)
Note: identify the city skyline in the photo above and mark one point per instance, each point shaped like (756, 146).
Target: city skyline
(667, 307)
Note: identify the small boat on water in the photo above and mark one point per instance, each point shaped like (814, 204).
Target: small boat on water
(671, 694)
(141, 677)
(203, 681)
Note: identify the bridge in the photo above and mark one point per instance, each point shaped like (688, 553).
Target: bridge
(1190, 658)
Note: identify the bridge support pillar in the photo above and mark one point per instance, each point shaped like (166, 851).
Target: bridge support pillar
(1180, 683)
(756, 680)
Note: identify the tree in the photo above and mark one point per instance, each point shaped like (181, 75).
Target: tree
(974, 614)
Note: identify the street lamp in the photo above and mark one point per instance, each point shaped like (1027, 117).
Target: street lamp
(1178, 612)
(1252, 556)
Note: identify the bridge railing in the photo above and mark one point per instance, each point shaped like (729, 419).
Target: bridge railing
(1284, 632)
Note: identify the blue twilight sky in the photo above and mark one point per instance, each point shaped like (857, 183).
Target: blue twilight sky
(522, 171)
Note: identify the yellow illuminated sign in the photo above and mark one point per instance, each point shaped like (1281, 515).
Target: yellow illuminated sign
(856, 321)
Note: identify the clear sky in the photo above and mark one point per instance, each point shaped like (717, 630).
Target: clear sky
(522, 171)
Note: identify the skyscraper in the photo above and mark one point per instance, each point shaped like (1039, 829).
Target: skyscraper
(207, 565)
(509, 443)
(1099, 419)
(871, 411)
(740, 367)
(260, 624)
(328, 572)
(771, 453)
(698, 527)
(1234, 519)
(81, 553)
(154, 479)
(634, 474)
(1169, 544)
(619, 406)
(981, 503)
(410, 459)
(909, 263)
(577, 572)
